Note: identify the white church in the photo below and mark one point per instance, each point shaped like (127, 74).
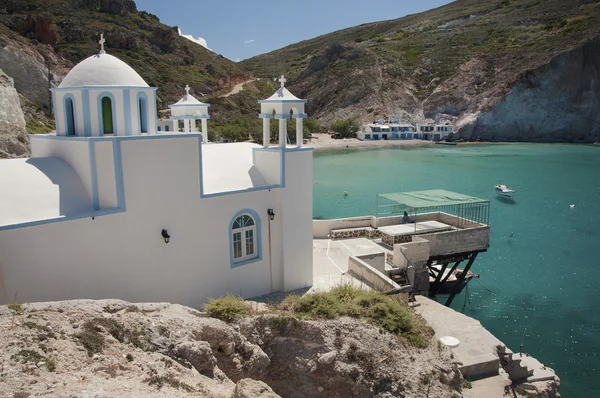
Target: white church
(111, 207)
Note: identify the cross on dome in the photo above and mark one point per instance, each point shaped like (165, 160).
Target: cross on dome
(101, 42)
(282, 80)
(187, 90)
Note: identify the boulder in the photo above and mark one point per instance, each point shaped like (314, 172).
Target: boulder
(10, 105)
(248, 388)
(198, 354)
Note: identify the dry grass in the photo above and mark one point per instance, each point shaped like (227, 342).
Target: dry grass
(227, 308)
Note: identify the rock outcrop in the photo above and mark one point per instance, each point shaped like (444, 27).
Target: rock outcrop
(111, 348)
(559, 101)
(13, 139)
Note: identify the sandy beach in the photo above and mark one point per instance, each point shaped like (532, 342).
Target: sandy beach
(325, 142)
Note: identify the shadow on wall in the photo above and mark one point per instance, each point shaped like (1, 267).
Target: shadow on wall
(257, 179)
(74, 198)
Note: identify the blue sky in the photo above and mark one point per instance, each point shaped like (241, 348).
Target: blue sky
(240, 29)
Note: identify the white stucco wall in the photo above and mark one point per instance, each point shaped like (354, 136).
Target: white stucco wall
(105, 174)
(297, 206)
(76, 153)
(268, 163)
(124, 256)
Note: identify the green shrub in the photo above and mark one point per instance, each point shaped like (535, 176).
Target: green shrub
(227, 308)
(386, 312)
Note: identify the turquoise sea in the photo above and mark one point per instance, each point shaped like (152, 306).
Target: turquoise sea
(543, 264)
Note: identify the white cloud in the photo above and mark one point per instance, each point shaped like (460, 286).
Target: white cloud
(199, 40)
(249, 41)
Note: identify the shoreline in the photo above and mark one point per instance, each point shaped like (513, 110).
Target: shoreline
(323, 142)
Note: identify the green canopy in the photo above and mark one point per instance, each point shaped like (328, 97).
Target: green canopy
(427, 199)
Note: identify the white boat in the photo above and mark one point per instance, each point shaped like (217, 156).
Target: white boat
(504, 191)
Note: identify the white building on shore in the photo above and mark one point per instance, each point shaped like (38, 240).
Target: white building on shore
(109, 208)
(394, 130)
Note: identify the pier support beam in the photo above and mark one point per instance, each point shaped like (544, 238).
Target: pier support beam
(461, 279)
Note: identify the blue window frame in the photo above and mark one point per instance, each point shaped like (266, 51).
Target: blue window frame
(244, 238)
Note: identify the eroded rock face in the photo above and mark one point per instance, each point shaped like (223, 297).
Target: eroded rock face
(14, 142)
(556, 102)
(118, 7)
(10, 105)
(164, 350)
(27, 68)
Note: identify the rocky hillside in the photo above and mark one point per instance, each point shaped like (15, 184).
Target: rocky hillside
(40, 40)
(500, 69)
(111, 348)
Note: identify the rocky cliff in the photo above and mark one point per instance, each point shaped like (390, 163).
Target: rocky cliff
(501, 70)
(111, 348)
(41, 40)
(13, 140)
(556, 102)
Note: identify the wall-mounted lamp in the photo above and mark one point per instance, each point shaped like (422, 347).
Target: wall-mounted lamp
(271, 214)
(166, 235)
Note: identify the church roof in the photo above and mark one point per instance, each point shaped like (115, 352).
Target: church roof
(283, 94)
(188, 100)
(103, 70)
(40, 189)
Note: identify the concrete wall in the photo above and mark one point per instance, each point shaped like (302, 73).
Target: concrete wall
(322, 228)
(376, 260)
(368, 274)
(460, 241)
(124, 256)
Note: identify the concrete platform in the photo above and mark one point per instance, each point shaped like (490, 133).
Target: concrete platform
(477, 349)
(492, 387)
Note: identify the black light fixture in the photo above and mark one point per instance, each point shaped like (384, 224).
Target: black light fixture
(271, 214)
(166, 235)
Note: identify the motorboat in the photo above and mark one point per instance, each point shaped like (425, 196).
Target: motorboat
(504, 191)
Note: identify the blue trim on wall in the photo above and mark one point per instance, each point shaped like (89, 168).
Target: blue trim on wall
(189, 117)
(54, 110)
(101, 116)
(258, 238)
(87, 121)
(190, 105)
(102, 88)
(253, 189)
(274, 116)
(118, 166)
(127, 111)
(99, 213)
(118, 138)
(66, 119)
(200, 170)
(283, 100)
(93, 175)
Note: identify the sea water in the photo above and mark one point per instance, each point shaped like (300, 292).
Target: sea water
(543, 264)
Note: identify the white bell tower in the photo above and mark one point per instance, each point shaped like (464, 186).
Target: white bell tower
(282, 105)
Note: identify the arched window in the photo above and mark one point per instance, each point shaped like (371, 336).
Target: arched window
(245, 238)
(107, 116)
(158, 128)
(70, 116)
(143, 112)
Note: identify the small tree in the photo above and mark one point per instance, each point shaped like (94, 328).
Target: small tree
(346, 128)
(311, 126)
